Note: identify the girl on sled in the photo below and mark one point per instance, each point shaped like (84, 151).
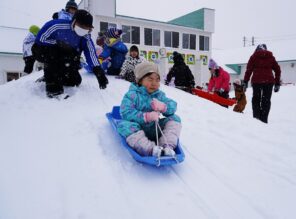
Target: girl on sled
(140, 110)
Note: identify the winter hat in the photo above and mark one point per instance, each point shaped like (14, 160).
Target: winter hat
(145, 68)
(177, 57)
(113, 32)
(83, 17)
(213, 64)
(237, 81)
(34, 29)
(71, 4)
(261, 47)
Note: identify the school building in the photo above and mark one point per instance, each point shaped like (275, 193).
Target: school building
(190, 35)
(11, 58)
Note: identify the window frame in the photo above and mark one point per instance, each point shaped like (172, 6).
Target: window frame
(154, 39)
(204, 43)
(133, 39)
(173, 37)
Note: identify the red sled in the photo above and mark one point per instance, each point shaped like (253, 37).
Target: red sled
(213, 97)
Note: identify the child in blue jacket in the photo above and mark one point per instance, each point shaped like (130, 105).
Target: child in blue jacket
(114, 49)
(140, 110)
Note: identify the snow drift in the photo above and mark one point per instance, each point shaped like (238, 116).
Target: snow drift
(61, 159)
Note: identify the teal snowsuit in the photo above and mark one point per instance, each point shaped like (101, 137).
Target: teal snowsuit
(133, 106)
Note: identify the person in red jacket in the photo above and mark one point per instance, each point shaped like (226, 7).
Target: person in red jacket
(219, 81)
(260, 67)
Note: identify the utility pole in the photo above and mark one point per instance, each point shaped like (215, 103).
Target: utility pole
(253, 41)
(244, 40)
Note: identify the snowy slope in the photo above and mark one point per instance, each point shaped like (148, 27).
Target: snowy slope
(61, 159)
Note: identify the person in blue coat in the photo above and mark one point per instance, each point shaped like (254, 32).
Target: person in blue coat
(59, 45)
(114, 49)
(140, 110)
(68, 12)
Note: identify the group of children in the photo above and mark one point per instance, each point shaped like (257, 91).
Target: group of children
(142, 105)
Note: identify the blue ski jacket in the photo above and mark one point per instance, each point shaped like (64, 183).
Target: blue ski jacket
(58, 30)
(65, 15)
(136, 102)
(116, 50)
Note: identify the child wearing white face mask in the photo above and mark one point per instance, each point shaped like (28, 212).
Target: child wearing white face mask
(59, 45)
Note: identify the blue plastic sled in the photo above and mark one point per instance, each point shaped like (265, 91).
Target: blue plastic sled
(114, 117)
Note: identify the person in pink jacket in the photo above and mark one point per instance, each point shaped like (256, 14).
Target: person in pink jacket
(219, 81)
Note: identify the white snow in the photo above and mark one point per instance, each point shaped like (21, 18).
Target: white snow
(62, 159)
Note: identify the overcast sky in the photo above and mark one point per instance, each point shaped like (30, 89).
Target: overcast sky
(266, 20)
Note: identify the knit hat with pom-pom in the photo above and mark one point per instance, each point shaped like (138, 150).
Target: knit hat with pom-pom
(113, 32)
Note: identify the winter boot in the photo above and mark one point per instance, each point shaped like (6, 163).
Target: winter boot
(140, 143)
(157, 151)
(169, 150)
(169, 139)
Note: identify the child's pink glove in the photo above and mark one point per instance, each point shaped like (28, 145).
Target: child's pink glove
(151, 116)
(158, 105)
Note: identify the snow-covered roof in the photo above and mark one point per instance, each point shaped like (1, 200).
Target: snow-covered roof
(12, 39)
(282, 51)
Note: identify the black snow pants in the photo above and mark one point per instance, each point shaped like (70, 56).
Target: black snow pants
(261, 101)
(29, 64)
(61, 65)
(225, 95)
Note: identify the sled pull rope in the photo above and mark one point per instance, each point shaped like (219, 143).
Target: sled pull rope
(158, 126)
(158, 158)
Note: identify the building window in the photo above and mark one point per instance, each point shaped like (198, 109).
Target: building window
(204, 43)
(104, 26)
(189, 41)
(131, 34)
(152, 37)
(171, 39)
(13, 76)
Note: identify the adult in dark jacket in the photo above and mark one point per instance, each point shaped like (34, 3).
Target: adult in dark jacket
(59, 45)
(182, 74)
(260, 67)
(114, 49)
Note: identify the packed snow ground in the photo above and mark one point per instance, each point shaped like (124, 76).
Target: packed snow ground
(62, 159)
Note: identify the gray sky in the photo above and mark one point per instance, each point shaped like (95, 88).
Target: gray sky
(263, 19)
(266, 20)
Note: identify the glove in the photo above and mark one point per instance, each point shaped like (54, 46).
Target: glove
(151, 116)
(158, 105)
(245, 85)
(221, 90)
(101, 77)
(277, 88)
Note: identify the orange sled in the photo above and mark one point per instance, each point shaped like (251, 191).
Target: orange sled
(213, 97)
